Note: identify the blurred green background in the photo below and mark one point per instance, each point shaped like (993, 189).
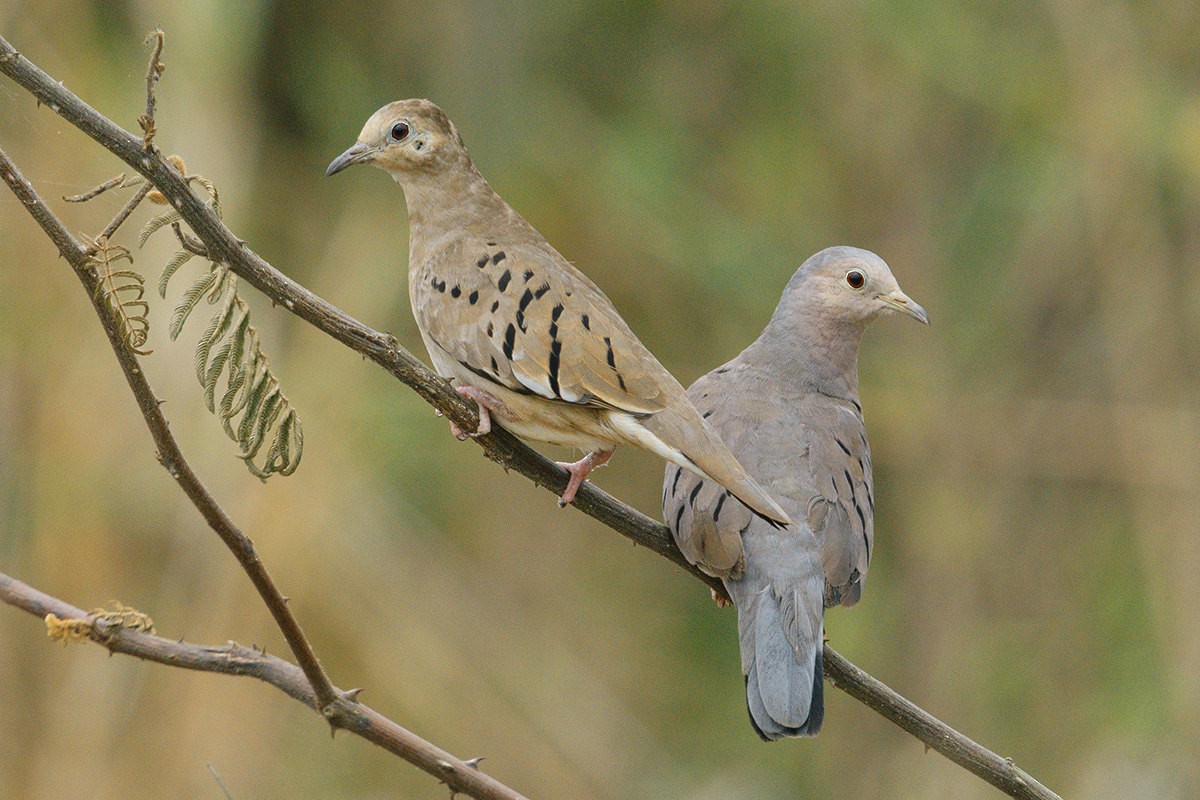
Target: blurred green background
(1029, 170)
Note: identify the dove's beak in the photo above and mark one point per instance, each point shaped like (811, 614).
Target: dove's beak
(899, 301)
(357, 154)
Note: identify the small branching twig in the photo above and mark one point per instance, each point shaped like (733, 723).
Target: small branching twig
(111, 183)
(153, 72)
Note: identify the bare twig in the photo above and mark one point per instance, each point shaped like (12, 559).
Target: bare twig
(111, 183)
(153, 71)
(500, 446)
(123, 214)
(234, 659)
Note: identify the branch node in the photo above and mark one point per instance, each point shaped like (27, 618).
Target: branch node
(189, 242)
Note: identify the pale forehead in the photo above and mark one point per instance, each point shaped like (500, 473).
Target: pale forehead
(839, 259)
(411, 110)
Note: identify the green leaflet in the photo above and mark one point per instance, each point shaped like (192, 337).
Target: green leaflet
(123, 291)
(228, 359)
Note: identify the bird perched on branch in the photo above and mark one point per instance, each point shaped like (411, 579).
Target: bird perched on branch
(788, 408)
(538, 347)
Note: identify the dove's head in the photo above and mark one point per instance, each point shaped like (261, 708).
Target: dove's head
(848, 284)
(407, 138)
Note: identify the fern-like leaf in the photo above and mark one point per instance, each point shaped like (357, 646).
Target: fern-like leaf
(251, 405)
(177, 261)
(191, 298)
(123, 292)
(157, 223)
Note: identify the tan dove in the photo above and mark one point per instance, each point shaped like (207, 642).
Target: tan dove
(788, 408)
(518, 329)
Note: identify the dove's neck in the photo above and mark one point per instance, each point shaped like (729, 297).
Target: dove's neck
(811, 352)
(450, 205)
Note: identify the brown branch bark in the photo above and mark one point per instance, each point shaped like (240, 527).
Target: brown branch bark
(234, 659)
(500, 446)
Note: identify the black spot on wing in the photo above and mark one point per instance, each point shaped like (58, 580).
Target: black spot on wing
(675, 483)
(679, 517)
(587, 325)
(720, 504)
(502, 284)
(490, 329)
(495, 366)
(845, 449)
(456, 291)
(526, 299)
(495, 305)
(611, 357)
(541, 290)
(707, 414)
(496, 259)
(473, 298)
(436, 284)
(527, 275)
(555, 352)
(510, 339)
(482, 261)
(555, 348)
(695, 491)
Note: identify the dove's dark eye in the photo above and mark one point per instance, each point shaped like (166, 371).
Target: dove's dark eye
(399, 131)
(855, 279)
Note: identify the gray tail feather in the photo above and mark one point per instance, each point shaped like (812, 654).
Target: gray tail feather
(781, 684)
(768, 729)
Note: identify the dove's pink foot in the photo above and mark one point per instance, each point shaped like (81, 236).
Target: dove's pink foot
(720, 599)
(579, 471)
(486, 403)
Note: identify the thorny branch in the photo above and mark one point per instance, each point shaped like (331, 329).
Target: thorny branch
(234, 659)
(221, 244)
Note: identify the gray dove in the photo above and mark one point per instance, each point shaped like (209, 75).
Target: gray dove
(518, 329)
(788, 408)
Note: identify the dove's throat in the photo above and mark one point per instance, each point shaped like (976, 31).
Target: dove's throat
(452, 206)
(811, 353)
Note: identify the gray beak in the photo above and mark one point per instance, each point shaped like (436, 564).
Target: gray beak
(899, 301)
(357, 154)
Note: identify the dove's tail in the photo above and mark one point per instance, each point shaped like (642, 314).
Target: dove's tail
(781, 661)
(683, 437)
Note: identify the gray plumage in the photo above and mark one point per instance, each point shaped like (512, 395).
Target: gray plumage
(788, 408)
